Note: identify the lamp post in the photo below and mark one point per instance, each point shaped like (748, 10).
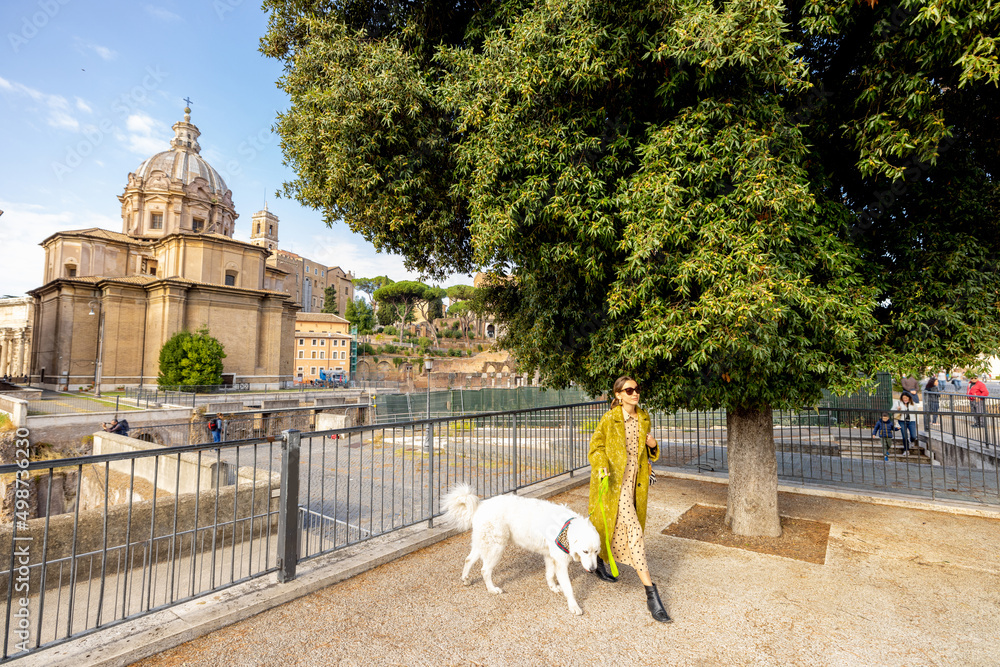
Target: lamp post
(428, 366)
(94, 303)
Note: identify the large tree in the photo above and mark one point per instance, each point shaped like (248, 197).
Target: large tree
(740, 203)
(431, 307)
(399, 299)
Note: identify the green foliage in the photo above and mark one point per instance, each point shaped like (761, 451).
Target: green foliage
(331, 301)
(360, 314)
(369, 286)
(400, 299)
(740, 203)
(190, 359)
(389, 348)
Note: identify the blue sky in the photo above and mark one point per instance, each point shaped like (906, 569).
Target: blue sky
(90, 88)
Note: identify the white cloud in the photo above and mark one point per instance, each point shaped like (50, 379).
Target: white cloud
(352, 253)
(146, 135)
(23, 227)
(57, 106)
(103, 52)
(83, 106)
(161, 13)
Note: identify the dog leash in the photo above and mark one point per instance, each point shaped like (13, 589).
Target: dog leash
(604, 490)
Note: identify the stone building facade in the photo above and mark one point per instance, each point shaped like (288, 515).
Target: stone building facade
(110, 300)
(16, 319)
(307, 279)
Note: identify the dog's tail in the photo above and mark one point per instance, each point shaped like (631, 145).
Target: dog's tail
(460, 506)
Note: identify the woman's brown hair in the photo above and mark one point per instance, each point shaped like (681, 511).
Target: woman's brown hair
(619, 383)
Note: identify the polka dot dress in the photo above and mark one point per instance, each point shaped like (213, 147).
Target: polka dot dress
(627, 543)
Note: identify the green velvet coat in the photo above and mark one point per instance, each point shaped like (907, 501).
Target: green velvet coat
(607, 450)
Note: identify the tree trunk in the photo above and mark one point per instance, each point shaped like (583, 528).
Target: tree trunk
(752, 506)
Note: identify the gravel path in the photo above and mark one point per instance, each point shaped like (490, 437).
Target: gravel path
(899, 587)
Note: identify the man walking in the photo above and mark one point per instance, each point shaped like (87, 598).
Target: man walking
(977, 399)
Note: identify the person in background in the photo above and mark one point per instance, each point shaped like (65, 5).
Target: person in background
(119, 427)
(911, 385)
(884, 429)
(977, 394)
(932, 400)
(215, 426)
(906, 415)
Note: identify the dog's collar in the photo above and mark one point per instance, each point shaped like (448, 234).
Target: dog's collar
(563, 537)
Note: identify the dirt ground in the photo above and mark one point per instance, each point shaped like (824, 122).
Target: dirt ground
(800, 539)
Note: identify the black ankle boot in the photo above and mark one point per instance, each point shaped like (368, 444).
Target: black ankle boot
(603, 572)
(656, 606)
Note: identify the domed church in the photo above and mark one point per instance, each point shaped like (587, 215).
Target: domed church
(110, 300)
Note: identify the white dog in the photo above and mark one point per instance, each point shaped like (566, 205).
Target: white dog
(554, 531)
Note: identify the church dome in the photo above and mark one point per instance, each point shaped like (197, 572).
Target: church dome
(177, 192)
(183, 161)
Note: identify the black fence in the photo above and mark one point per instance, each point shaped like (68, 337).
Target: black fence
(114, 536)
(106, 538)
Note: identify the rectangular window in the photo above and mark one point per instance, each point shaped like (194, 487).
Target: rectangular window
(314, 354)
(322, 355)
(314, 341)
(302, 341)
(301, 354)
(343, 355)
(156, 221)
(312, 370)
(300, 369)
(197, 224)
(322, 342)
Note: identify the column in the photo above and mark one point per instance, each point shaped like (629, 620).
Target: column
(26, 357)
(5, 354)
(19, 355)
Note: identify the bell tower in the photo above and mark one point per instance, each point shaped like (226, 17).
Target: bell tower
(264, 229)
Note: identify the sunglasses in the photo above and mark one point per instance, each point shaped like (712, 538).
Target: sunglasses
(631, 390)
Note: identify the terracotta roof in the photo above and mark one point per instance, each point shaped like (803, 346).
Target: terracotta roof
(98, 233)
(129, 280)
(320, 317)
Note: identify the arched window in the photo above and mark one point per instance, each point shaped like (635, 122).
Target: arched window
(231, 278)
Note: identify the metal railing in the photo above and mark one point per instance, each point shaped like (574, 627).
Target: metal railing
(111, 537)
(451, 402)
(950, 457)
(58, 403)
(115, 536)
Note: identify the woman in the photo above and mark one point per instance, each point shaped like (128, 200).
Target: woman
(621, 450)
(932, 399)
(906, 416)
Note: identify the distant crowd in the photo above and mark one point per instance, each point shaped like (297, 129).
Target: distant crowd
(906, 408)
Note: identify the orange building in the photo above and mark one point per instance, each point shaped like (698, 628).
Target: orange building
(322, 343)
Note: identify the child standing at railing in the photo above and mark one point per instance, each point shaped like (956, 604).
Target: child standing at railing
(884, 429)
